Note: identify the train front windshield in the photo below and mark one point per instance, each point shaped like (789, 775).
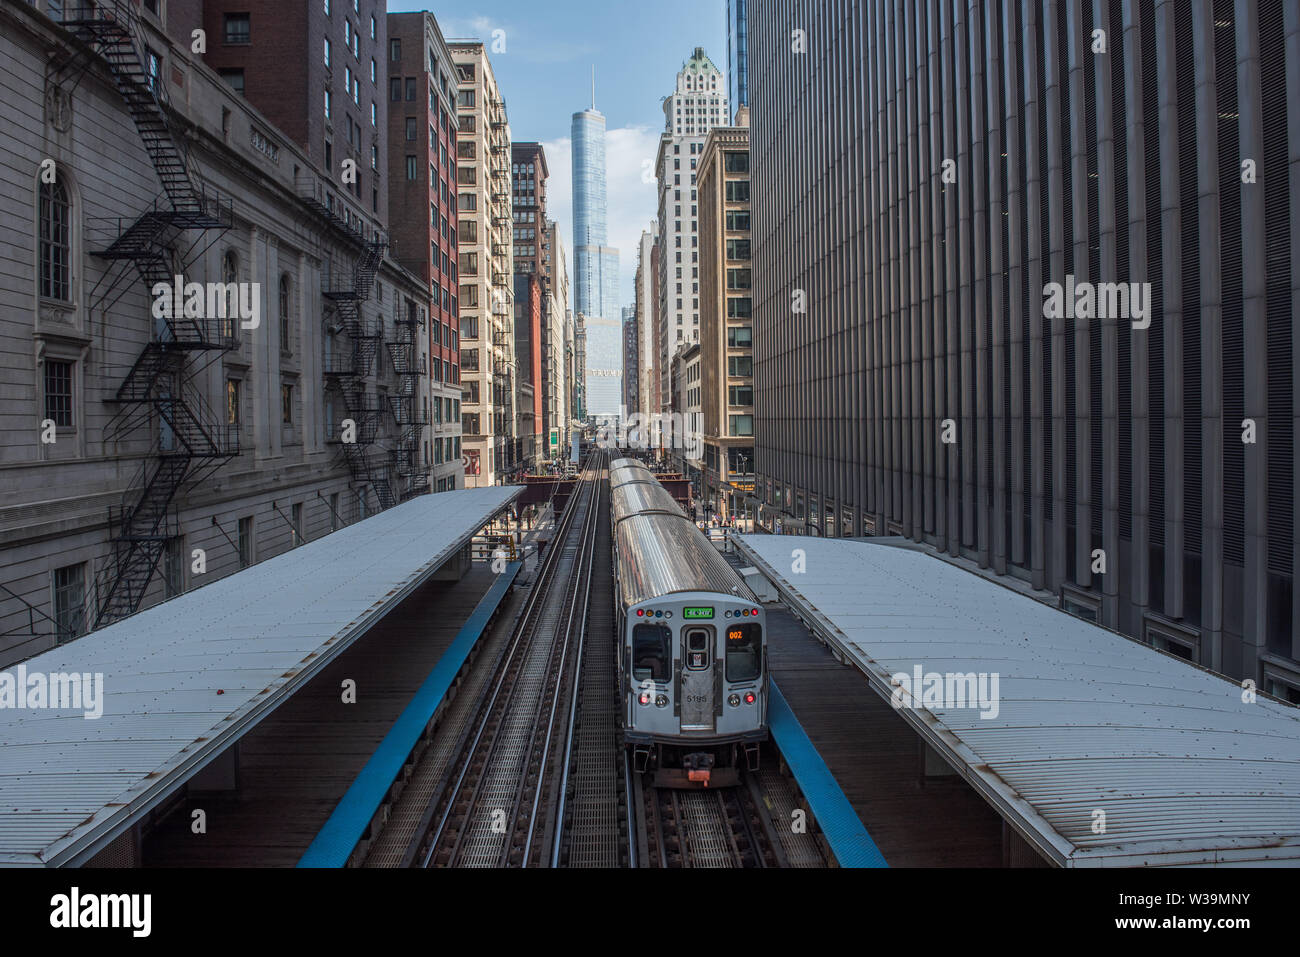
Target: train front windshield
(652, 652)
(744, 652)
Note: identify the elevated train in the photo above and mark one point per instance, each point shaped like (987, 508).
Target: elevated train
(692, 655)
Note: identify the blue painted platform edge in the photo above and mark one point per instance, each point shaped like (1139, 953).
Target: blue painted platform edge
(334, 844)
(849, 840)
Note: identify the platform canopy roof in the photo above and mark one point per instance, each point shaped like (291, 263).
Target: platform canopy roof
(1101, 750)
(186, 678)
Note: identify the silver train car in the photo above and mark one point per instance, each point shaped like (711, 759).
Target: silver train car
(692, 654)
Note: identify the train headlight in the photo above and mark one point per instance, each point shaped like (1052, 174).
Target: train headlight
(750, 697)
(727, 613)
(645, 697)
(662, 701)
(668, 614)
(734, 701)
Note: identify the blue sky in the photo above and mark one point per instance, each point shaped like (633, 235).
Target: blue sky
(545, 77)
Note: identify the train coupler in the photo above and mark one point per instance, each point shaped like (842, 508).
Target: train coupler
(698, 766)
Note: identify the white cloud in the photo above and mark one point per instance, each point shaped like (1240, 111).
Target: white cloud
(631, 203)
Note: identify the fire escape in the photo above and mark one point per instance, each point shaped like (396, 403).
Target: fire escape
(349, 368)
(405, 405)
(158, 390)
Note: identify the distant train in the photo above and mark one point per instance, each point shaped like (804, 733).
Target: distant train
(692, 657)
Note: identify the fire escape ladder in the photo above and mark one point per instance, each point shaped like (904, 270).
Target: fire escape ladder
(351, 372)
(157, 388)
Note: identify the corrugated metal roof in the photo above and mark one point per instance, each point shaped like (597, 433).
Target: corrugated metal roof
(635, 498)
(1183, 770)
(636, 472)
(664, 554)
(68, 784)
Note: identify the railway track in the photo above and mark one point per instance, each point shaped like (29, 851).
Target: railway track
(494, 807)
(592, 807)
(717, 827)
(750, 825)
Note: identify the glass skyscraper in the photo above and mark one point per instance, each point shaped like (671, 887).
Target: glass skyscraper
(738, 53)
(595, 266)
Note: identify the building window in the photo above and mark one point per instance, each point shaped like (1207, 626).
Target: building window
(740, 366)
(329, 102)
(741, 424)
(740, 395)
(152, 67)
(738, 191)
(395, 89)
(69, 583)
(394, 50)
(740, 337)
(56, 242)
(738, 219)
(286, 339)
(372, 26)
(295, 518)
(738, 279)
(232, 402)
(58, 393)
(245, 541)
(335, 518)
(374, 114)
(737, 248)
(410, 89)
(327, 51)
(173, 568)
(286, 405)
(235, 80)
(412, 168)
(237, 28)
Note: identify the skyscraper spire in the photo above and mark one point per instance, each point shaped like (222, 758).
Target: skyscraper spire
(593, 87)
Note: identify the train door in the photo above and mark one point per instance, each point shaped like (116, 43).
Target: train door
(697, 690)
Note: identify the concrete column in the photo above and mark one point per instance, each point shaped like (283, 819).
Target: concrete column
(1172, 266)
(1211, 372)
(1292, 26)
(1015, 71)
(980, 255)
(1033, 185)
(1254, 292)
(1106, 179)
(1139, 271)
(999, 307)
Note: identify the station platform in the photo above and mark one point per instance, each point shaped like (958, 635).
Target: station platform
(871, 802)
(1094, 749)
(183, 682)
(350, 817)
(297, 765)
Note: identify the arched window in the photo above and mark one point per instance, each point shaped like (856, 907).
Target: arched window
(55, 242)
(286, 340)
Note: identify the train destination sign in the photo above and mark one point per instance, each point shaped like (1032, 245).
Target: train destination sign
(697, 613)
